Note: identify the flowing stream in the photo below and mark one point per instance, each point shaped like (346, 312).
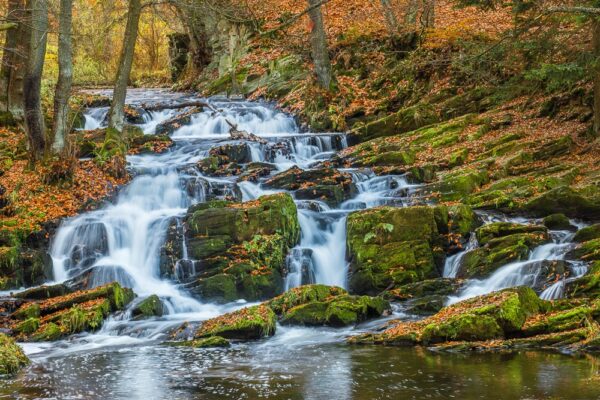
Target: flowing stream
(122, 242)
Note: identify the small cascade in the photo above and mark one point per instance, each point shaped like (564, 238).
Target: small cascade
(95, 118)
(522, 273)
(452, 264)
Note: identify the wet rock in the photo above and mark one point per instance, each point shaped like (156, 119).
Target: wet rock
(43, 292)
(558, 222)
(586, 251)
(151, 306)
(389, 247)
(209, 342)
(148, 144)
(12, 357)
(303, 295)
(586, 286)
(494, 316)
(338, 311)
(241, 247)
(226, 160)
(246, 324)
(326, 184)
(425, 305)
(566, 200)
(458, 184)
(588, 233)
(57, 317)
(429, 287)
(170, 126)
(501, 243)
(456, 223)
(171, 251)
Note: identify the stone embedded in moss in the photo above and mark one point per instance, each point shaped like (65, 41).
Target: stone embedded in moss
(496, 230)
(12, 357)
(457, 185)
(586, 286)
(588, 233)
(151, 306)
(249, 323)
(429, 287)
(557, 222)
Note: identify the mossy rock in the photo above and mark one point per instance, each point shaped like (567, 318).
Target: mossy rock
(391, 246)
(557, 222)
(501, 243)
(303, 295)
(573, 203)
(209, 342)
(337, 311)
(560, 321)
(151, 306)
(496, 315)
(588, 233)
(429, 287)
(12, 357)
(405, 120)
(586, 251)
(249, 323)
(586, 286)
(457, 185)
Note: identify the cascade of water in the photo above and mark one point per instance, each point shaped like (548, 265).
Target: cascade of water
(522, 273)
(452, 264)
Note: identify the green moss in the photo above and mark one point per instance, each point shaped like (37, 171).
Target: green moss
(588, 233)
(12, 357)
(47, 333)
(219, 287)
(151, 306)
(302, 295)
(31, 310)
(557, 222)
(28, 326)
(566, 200)
(588, 251)
(246, 324)
(464, 327)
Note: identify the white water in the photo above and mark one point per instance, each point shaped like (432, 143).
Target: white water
(522, 273)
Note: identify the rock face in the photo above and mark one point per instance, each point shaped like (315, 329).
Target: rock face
(390, 247)
(325, 184)
(501, 243)
(55, 317)
(241, 247)
(494, 316)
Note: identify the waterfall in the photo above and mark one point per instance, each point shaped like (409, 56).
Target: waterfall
(521, 273)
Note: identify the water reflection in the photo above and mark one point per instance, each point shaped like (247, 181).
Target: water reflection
(303, 364)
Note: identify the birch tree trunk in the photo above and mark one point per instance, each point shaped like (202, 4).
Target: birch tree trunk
(117, 110)
(65, 77)
(34, 118)
(319, 47)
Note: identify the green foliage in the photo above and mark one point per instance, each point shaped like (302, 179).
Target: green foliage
(555, 77)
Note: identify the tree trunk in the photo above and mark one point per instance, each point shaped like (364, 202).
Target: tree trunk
(319, 48)
(596, 43)
(13, 62)
(34, 117)
(412, 9)
(428, 15)
(390, 17)
(65, 77)
(116, 114)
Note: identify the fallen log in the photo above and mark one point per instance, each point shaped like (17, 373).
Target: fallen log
(175, 106)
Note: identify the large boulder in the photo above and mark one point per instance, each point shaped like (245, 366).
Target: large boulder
(226, 160)
(389, 247)
(574, 203)
(241, 247)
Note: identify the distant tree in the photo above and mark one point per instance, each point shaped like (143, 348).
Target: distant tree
(319, 45)
(34, 117)
(65, 77)
(389, 15)
(13, 61)
(116, 114)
